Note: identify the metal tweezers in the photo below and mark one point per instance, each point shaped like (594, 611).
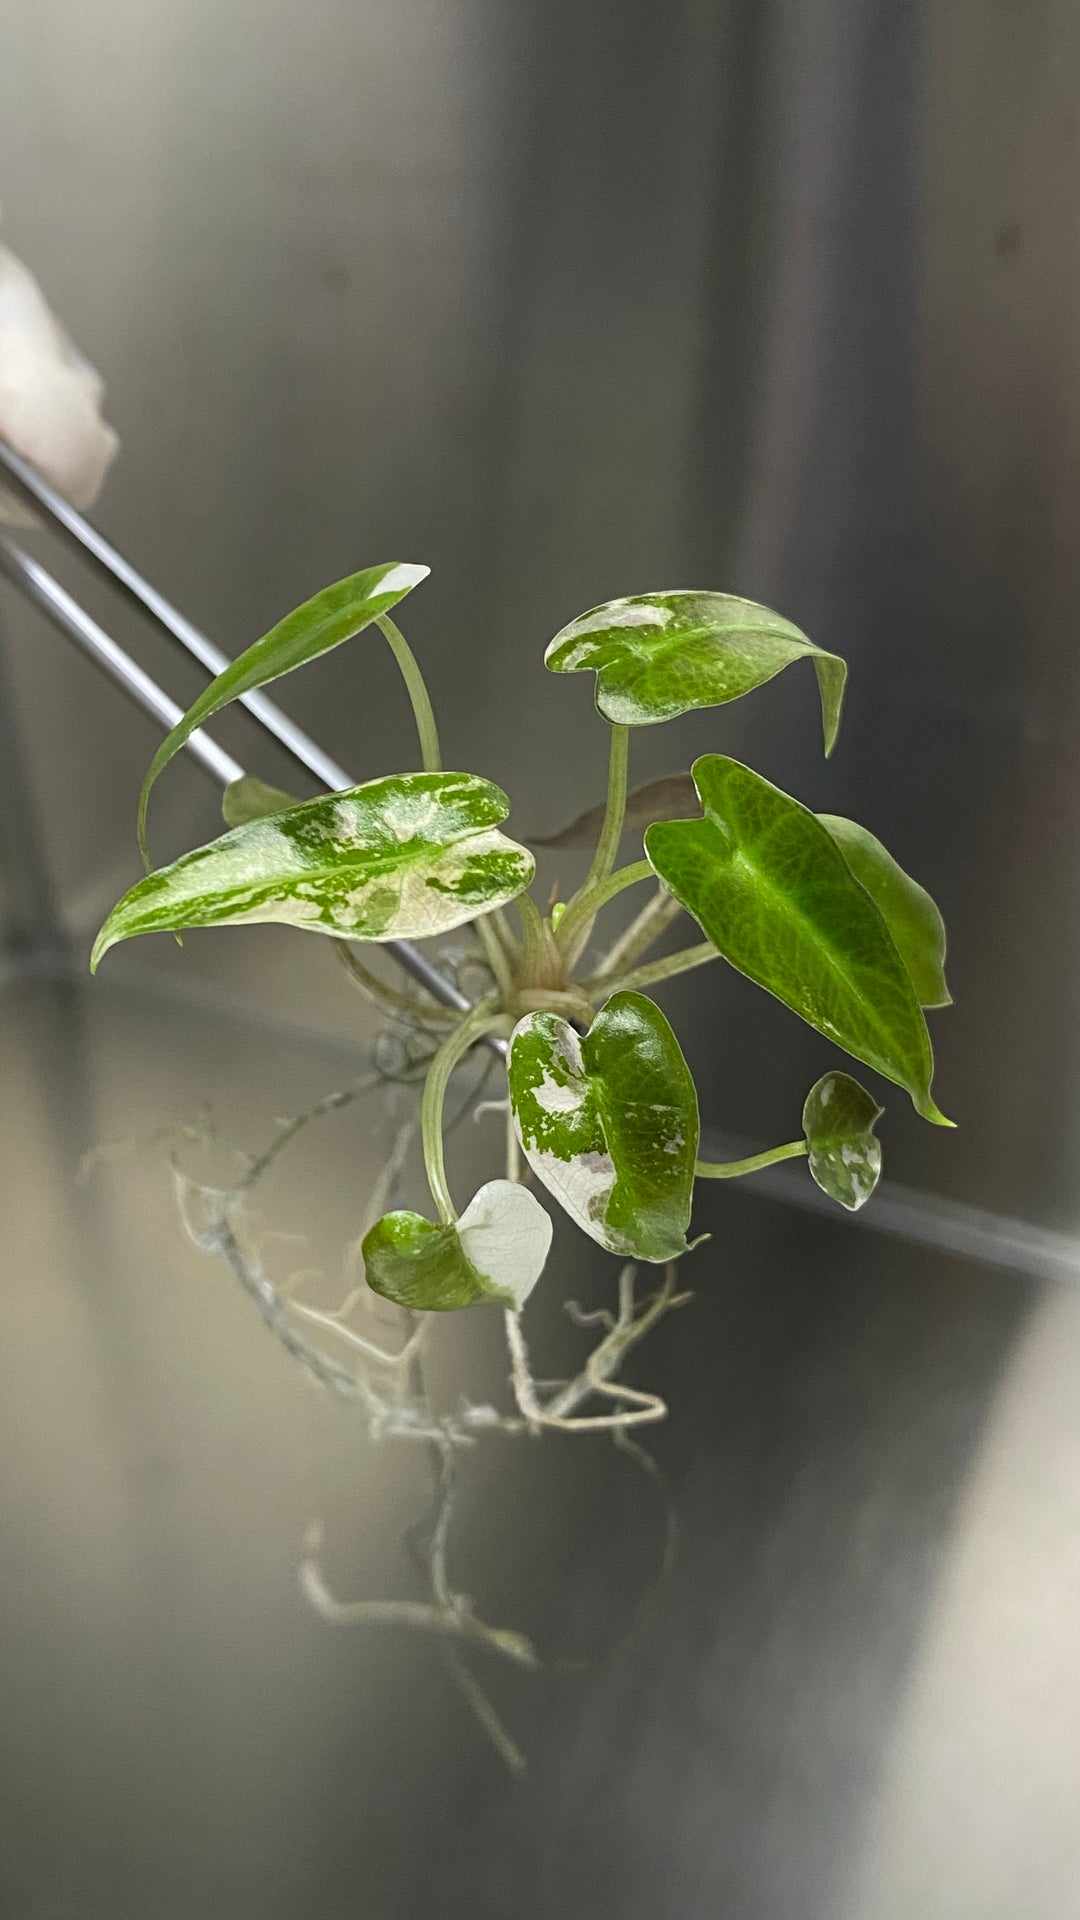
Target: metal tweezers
(39, 587)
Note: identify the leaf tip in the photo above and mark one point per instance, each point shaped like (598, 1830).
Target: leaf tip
(100, 948)
(832, 684)
(851, 1205)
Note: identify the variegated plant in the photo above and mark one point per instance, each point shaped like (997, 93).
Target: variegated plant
(603, 1104)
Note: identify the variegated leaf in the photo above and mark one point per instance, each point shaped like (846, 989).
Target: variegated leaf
(496, 1251)
(656, 655)
(400, 858)
(844, 1154)
(609, 1123)
(323, 622)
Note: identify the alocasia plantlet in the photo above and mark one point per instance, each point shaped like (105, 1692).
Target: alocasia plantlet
(599, 1103)
(813, 908)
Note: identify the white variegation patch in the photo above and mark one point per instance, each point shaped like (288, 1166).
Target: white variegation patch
(573, 646)
(582, 1185)
(403, 578)
(580, 1182)
(619, 1162)
(336, 876)
(506, 1235)
(427, 902)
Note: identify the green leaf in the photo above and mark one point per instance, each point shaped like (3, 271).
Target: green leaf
(769, 886)
(669, 798)
(844, 1156)
(609, 1123)
(399, 858)
(334, 615)
(910, 914)
(251, 799)
(496, 1251)
(659, 654)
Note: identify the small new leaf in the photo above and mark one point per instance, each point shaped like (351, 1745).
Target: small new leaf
(251, 799)
(400, 858)
(496, 1251)
(844, 1155)
(769, 886)
(609, 1123)
(670, 798)
(656, 655)
(909, 912)
(323, 622)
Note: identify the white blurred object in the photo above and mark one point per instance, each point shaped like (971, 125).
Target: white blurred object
(50, 396)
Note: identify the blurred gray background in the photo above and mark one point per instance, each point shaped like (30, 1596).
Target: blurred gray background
(776, 296)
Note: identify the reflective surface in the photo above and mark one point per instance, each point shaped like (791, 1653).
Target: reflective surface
(777, 298)
(867, 1643)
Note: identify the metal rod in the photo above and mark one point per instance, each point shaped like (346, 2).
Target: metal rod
(66, 613)
(113, 567)
(70, 618)
(32, 923)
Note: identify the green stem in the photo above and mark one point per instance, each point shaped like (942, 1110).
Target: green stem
(483, 1019)
(731, 1169)
(502, 927)
(388, 997)
(576, 923)
(655, 917)
(417, 691)
(607, 846)
(647, 976)
(496, 955)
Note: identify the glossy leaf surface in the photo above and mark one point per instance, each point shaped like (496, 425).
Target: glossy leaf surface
(843, 1152)
(609, 1123)
(251, 799)
(400, 858)
(909, 912)
(656, 655)
(495, 1252)
(671, 797)
(769, 886)
(323, 622)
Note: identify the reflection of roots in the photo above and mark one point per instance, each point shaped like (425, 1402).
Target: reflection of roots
(386, 1382)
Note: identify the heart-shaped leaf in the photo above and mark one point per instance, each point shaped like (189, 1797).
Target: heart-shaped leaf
(399, 858)
(769, 886)
(844, 1155)
(671, 797)
(656, 655)
(334, 615)
(909, 912)
(609, 1123)
(496, 1252)
(251, 799)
